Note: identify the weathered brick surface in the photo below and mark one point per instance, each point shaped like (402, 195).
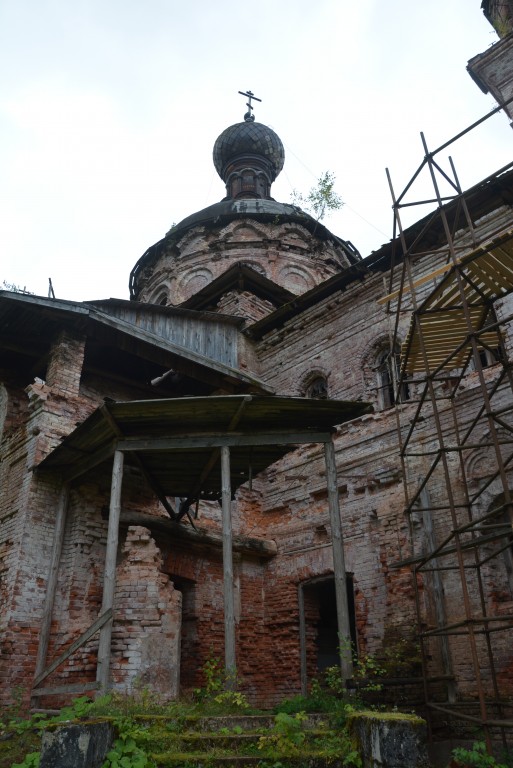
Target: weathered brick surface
(169, 596)
(284, 252)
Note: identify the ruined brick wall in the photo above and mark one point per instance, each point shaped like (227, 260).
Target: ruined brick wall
(47, 412)
(148, 611)
(339, 339)
(35, 417)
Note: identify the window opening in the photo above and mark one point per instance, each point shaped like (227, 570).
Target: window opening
(388, 373)
(489, 357)
(317, 389)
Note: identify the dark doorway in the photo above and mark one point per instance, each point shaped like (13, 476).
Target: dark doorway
(319, 626)
(189, 637)
(327, 641)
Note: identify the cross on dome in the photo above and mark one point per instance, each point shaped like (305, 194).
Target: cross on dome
(249, 116)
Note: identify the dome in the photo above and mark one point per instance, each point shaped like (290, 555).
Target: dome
(251, 144)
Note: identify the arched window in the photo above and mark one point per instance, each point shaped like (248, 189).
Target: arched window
(317, 388)
(387, 368)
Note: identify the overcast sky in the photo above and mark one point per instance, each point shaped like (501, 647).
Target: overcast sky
(109, 110)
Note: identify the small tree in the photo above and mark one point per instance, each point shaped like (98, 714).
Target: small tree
(321, 198)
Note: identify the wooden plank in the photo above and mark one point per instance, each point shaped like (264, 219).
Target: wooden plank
(495, 265)
(502, 262)
(109, 579)
(492, 287)
(213, 441)
(228, 594)
(51, 584)
(178, 350)
(84, 637)
(416, 283)
(339, 567)
(72, 688)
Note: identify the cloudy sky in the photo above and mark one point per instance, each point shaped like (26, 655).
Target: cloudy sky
(109, 110)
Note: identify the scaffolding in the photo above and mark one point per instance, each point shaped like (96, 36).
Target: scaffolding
(456, 446)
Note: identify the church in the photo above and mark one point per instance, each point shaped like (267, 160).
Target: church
(276, 452)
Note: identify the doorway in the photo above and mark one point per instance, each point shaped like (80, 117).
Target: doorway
(318, 628)
(188, 634)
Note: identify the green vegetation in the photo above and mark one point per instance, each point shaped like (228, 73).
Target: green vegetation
(152, 733)
(214, 722)
(476, 757)
(321, 198)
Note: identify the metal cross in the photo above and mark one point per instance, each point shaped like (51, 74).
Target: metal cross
(249, 116)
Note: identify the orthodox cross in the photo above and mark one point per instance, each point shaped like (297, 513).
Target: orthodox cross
(249, 116)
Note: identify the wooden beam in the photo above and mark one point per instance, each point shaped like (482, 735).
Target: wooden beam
(438, 591)
(302, 639)
(229, 602)
(65, 689)
(109, 580)
(339, 568)
(51, 584)
(218, 440)
(262, 548)
(75, 645)
(420, 281)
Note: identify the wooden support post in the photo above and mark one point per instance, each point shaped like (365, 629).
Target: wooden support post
(229, 603)
(51, 585)
(429, 545)
(109, 581)
(302, 639)
(339, 568)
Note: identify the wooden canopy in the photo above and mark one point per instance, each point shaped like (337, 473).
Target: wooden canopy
(176, 440)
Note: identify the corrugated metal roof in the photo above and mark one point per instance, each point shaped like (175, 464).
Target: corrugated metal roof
(485, 274)
(177, 440)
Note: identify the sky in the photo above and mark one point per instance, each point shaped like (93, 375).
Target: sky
(109, 110)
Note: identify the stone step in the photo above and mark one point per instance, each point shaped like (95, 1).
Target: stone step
(207, 760)
(248, 742)
(216, 723)
(201, 741)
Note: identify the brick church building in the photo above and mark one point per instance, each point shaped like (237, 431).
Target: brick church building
(274, 450)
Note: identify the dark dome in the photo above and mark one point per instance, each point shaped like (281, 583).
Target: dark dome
(252, 141)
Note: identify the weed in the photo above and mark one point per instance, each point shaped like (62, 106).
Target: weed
(476, 757)
(287, 736)
(31, 761)
(126, 754)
